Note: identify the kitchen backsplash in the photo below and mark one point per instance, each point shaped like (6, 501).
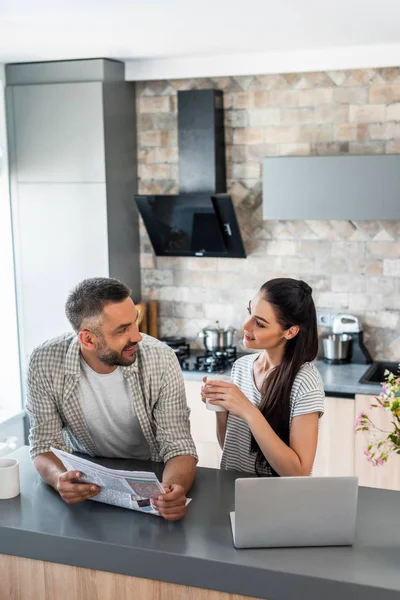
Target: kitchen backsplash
(352, 266)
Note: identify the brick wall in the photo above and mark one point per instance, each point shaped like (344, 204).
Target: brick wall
(353, 266)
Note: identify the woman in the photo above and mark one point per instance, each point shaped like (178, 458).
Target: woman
(277, 395)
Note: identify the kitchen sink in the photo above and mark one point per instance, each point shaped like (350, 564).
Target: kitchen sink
(376, 372)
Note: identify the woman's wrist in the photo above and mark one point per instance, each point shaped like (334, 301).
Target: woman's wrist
(252, 413)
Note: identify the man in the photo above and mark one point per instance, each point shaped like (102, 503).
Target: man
(109, 391)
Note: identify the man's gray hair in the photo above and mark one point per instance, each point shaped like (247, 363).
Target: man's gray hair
(88, 299)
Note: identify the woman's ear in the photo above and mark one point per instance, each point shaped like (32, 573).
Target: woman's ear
(292, 332)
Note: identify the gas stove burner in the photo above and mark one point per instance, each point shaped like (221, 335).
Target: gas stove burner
(214, 362)
(179, 346)
(173, 341)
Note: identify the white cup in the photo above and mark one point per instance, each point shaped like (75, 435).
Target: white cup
(216, 378)
(9, 478)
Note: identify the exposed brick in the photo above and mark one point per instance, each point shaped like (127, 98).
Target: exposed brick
(274, 81)
(368, 113)
(330, 148)
(386, 249)
(296, 116)
(237, 118)
(259, 151)
(147, 261)
(248, 135)
(315, 97)
(239, 154)
(391, 267)
(393, 147)
(283, 97)
(361, 301)
(281, 248)
(391, 74)
(164, 121)
(384, 131)
(350, 132)
(153, 104)
(282, 134)
(367, 147)
(241, 100)
(144, 122)
(166, 154)
(153, 138)
(344, 283)
(173, 104)
(160, 171)
(318, 79)
(295, 149)
(393, 112)
(315, 133)
(188, 277)
(331, 113)
(263, 117)
(385, 94)
(357, 95)
(251, 170)
(364, 77)
(338, 112)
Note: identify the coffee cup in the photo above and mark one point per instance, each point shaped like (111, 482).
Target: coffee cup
(9, 478)
(216, 378)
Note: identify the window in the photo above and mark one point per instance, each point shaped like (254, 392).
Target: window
(10, 384)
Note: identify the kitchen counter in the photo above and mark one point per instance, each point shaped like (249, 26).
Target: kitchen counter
(338, 379)
(197, 551)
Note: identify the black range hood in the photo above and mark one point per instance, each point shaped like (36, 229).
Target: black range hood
(200, 220)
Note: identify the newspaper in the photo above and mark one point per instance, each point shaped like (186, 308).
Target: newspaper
(127, 489)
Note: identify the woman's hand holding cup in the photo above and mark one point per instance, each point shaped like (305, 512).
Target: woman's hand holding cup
(207, 390)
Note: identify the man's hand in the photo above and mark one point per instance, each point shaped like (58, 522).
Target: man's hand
(172, 504)
(71, 491)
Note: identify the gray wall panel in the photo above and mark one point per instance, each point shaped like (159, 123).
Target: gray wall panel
(121, 177)
(59, 133)
(332, 187)
(65, 71)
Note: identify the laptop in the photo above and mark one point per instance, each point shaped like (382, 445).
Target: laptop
(274, 512)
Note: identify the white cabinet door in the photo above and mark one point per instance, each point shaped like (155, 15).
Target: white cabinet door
(61, 238)
(388, 475)
(335, 452)
(203, 427)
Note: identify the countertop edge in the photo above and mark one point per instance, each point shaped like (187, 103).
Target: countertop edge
(135, 562)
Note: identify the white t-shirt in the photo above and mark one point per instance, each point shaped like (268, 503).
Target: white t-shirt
(110, 416)
(307, 396)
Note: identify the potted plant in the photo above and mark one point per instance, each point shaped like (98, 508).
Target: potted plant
(383, 443)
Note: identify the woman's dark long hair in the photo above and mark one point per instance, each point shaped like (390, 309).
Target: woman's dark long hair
(292, 303)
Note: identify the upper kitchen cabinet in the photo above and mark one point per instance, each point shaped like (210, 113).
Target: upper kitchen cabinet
(59, 132)
(358, 187)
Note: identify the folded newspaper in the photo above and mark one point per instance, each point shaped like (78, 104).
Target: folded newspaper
(127, 489)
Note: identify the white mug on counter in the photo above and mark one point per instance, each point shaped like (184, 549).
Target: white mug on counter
(216, 378)
(9, 478)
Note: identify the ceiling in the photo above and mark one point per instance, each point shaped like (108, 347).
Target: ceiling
(140, 30)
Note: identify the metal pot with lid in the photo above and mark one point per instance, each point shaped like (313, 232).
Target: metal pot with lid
(217, 339)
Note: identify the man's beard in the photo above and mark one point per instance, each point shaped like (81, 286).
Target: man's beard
(112, 358)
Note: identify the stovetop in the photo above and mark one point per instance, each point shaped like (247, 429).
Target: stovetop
(209, 362)
(200, 360)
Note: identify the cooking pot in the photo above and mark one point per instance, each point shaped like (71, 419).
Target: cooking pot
(217, 339)
(337, 347)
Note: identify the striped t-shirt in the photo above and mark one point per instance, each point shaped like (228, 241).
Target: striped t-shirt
(307, 396)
